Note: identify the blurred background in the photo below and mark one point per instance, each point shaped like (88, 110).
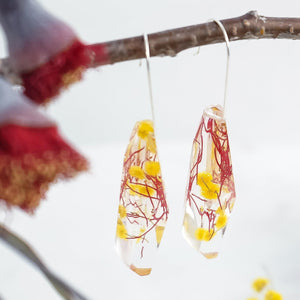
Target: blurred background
(73, 230)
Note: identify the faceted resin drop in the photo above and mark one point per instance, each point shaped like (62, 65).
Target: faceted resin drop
(210, 192)
(143, 210)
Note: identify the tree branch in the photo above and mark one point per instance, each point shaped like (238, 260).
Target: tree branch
(20, 246)
(171, 42)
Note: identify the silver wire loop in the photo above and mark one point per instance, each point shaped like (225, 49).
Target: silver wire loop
(147, 54)
(228, 59)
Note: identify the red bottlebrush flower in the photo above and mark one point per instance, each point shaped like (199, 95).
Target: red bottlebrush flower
(43, 50)
(32, 152)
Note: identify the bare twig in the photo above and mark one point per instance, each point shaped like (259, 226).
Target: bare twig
(23, 248)
(170, 42)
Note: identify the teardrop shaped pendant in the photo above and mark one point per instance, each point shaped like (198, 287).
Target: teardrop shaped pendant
(210, 193)
(143, 210)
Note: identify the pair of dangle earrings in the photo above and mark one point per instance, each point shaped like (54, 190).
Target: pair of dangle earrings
(210, 194)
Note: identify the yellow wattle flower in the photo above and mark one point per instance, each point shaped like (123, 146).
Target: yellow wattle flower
(259, 284)
(152, 168)
(122, 211)
(137, 172)
(121, 230)
(221, 220)
(209, 190)
(209, 193)
(273, 295)
(202, 234)
(145, 128)
(204, 178)
(141, 190)
(219, 210)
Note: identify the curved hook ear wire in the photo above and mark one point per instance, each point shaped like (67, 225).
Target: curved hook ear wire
(147, 54)
(228, 59)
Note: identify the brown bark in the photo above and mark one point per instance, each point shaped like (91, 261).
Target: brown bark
(171, 42)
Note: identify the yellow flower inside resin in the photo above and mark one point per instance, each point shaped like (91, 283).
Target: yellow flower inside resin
(209, 190)
(203, 234)
(221, 220)
(219, 210)
(152, 168)
(137, 172)
(141, 190)
(272, 295)
(204, 178)
(259, 284)
(121, 230)
(122, 211)
(252, 299)
(159, 230)
(151, 144)
(145, 128)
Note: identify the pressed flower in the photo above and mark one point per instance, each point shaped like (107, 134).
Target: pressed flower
(121, 230)
(141, 189)
(203, 234)
(137, 172)
(145, 128)
(221, 220)
(204, 178)
(152, 168)
(209, 190)
(122, 211)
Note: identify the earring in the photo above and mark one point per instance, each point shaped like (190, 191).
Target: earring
(210, 193)
(143, 210)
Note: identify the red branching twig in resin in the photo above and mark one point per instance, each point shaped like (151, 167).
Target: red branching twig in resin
(210, 192)
(143, 209)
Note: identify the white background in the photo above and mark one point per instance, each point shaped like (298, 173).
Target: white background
(73, 230)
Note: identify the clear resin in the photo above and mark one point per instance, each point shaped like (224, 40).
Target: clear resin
(210, 192)
(143, 209)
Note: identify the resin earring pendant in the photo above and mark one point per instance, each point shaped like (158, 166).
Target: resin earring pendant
(143, 210)
(210, 192)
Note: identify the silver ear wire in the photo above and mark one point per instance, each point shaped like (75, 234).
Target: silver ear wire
(228, 59)
(147, 54)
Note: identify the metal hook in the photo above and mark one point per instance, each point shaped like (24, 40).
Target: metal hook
(147, 54)
(228, 58)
